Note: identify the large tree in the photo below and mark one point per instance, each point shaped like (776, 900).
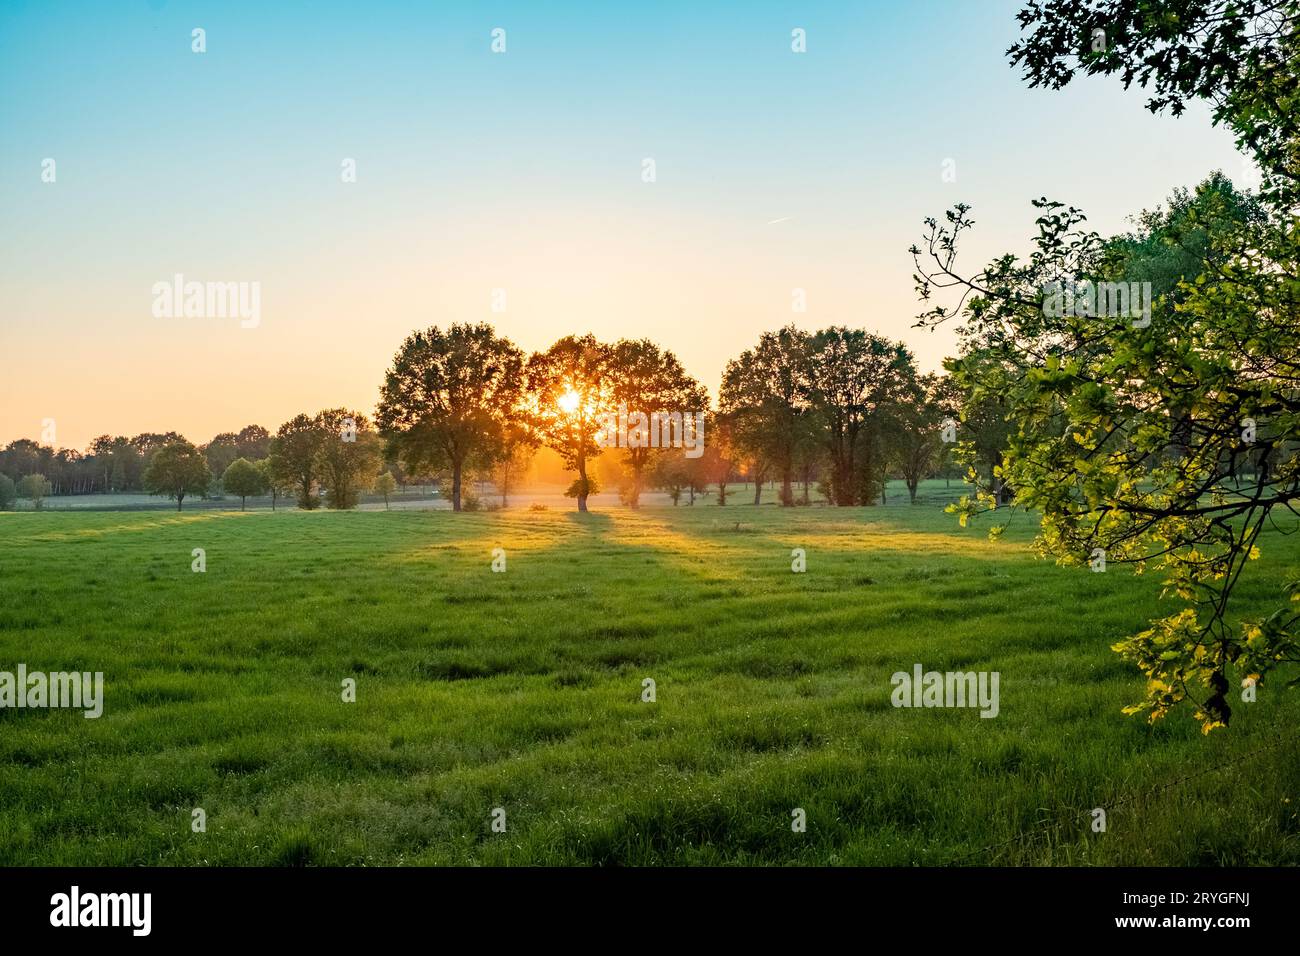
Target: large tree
(448, 399)
(348, 456)
(764, 392)
(294, 458)
(221, 451)
(253, 442)
(1132, 434)
(570, 387)
(917, 439)
(176, 470)
(645, 379)
(854, 379)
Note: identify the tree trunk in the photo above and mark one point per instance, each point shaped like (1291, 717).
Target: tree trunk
(179, 500)
(758, 492)
(455, 486)
(242, 501)
(844, 496)
(582, 490)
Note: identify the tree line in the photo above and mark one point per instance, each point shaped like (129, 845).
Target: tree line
(836, 412)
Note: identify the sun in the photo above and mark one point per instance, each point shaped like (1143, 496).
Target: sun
(568, 402)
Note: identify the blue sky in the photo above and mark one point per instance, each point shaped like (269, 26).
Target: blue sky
(518, 171)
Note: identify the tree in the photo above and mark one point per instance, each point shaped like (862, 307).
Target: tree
(348, 456)
(21, 457)
(717, 463)
(570, 387)
(515, 453)
(220, 452)
(1238, 56)
(764, 392)
(293, 454)
(917, 442)
(177, 469)
(123, 464)
(253, 442)
(643, 380)
(385, 485)
(34, 487)
(447, 399)
(8, 492)
(671, 473)
(854, 380)
(1131, 429)
(242, 477)
(273, 478)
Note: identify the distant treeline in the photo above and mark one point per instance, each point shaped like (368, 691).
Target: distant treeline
(836, 412)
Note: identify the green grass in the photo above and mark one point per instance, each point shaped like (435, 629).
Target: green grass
(523, 690)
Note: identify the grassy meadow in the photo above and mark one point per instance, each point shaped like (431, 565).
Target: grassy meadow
(522, 690)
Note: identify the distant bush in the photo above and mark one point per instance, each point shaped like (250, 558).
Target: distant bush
(8, 492)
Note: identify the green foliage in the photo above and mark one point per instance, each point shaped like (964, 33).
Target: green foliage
(1236, 56)
(449, 400)
(8, 492)
(294, 459)
(1167, 446)
(764, 392)
(221, 452)
(35, 488)
(177, 469)
(1167, 441)
(860, 387)
(243, 478)
(274, 479)
(347, 455)
(915, 441)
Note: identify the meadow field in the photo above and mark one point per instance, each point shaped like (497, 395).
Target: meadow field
(523, 691)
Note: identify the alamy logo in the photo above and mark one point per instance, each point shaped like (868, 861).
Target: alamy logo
(208, 300)
(1088, 300)
(952, 689)
(55, 689)
(657, 430)
(103, 909)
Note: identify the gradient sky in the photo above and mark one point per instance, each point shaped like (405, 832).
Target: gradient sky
(519, 171)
